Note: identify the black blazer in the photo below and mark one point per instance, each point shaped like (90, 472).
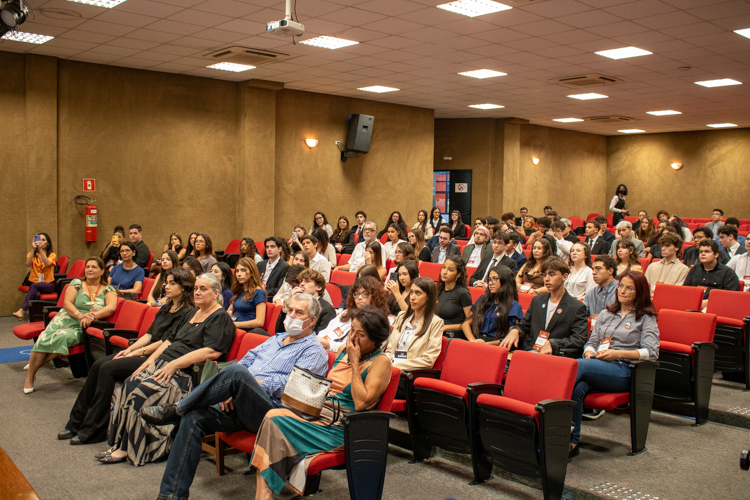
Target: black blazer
(451, 250)
(482, 268)
(460, 229)
(347, 242)
(327, 313)
(568, 328)
(276, 279)
(601, 247)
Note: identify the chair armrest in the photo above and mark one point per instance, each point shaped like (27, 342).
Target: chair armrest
(641, 364)
(59, 276)
(570, 352)
(551, 404)
(47, 310)
(697, 346)
(102, 325)
(36, 309)
(60, 284)
(421, 372)
(365, 417)
(120, 332)
(476, 388)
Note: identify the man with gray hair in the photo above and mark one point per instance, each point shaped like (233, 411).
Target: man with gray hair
(357, 260)
(240, 395)
(625, 232)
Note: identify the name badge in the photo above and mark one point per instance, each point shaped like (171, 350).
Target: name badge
(541, 340)
(525, 287)
(604, 344)
(41, 277)
(337, 333)
(746, 279)
(593, 320)
(400, 355)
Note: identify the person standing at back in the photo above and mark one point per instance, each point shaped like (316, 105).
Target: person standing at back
(618, 204)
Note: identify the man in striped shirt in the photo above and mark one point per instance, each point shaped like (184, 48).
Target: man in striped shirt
(240, 395)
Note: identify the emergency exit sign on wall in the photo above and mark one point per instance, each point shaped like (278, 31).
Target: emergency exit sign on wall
(89, 185)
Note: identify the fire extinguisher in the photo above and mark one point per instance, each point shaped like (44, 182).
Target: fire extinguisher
(91, 217)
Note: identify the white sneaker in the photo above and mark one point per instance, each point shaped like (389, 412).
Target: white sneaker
(593, 415)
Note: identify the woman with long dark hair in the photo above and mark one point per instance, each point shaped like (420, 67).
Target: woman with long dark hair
(627, 258)
(618, 204)
(400, 288)
(436, 218)
(456, 224)
(190, 248)
(41, 259)
(421, 250)
(320, 221)
(342, 238)
(423, 224)
(169, 260)
(395, 218)
(204, 251)
(324, 246)
(496, 311)
(581, 277)
(373, 255)
(249, 250)
(529, 278)
(111, 253)
(248, 307)
(222, 271)
(454, 299)
(626, 330)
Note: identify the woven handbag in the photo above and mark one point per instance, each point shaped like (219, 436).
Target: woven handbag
(306, 391)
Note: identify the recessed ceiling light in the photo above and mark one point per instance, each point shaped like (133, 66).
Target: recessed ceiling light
(721, 125)
(474, 8)
(745, 32)
(482, 73)
(20, 36)
(378, 89)
(718, 83)
(107, 4)
(485, 106)
(666, 112)
(624, 53)
(328, 42)
(567, 120)
(235, 68)
(631, 131)
(591, 95)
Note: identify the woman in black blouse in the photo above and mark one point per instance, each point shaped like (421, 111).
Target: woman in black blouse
(454, 299)
(421, 250)
(90, 413)
(400, 288)
(395, 218)
(206, 334)
(457, 225)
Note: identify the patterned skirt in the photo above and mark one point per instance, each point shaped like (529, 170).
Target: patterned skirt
(142, 441)
(287, 443)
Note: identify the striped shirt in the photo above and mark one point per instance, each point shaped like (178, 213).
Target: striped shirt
(272, 361)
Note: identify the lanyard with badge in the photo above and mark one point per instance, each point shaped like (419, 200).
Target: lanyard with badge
(402, 346)
(606, 341)
(340, 331)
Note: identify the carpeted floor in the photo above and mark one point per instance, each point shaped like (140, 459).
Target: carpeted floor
(682, 461)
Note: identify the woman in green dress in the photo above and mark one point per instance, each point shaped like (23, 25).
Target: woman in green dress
(85, 300)
(288, 441)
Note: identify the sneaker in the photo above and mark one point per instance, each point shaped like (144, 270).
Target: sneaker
(592, 414)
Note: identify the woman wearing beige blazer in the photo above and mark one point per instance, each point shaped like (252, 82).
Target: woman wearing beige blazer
(416, 339)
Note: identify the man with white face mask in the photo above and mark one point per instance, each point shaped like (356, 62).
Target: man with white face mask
(240, 395)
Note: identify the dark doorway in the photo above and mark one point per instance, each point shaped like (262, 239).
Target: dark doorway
(452, 191)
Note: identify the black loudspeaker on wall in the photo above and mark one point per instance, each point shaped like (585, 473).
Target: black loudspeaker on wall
(360, 132)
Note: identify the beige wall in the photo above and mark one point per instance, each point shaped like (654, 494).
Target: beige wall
(715, 172)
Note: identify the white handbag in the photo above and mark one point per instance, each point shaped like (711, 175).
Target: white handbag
(306, 391)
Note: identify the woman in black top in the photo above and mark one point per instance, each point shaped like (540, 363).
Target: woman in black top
(206, 333)
(111, 253)
(454, 299)
(400, 288)
(395, 218)
(343, 238)
(90, 413)
(404, 251)
(618, 204)
(421, 250)
(190, 249)
(458, 227)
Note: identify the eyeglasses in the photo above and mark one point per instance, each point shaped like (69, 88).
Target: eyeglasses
(399, 251)
(361, 295)
(318, 218)
(368, 230)
(493, 280)
(626, 288)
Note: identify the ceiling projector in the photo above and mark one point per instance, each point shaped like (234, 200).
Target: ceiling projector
(286, 27)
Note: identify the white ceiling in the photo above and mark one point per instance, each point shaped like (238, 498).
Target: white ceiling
(411, 45)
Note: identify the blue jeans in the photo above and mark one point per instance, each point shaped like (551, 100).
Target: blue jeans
(597, 375)
(200, 418)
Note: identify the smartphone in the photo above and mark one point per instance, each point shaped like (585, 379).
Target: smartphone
(37, 238)
(114, 239)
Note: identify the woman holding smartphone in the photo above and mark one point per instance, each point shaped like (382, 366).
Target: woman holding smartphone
(41, 259)
(111, 253)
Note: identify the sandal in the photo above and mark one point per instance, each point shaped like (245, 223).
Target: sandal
(109, 459)
(99, 456)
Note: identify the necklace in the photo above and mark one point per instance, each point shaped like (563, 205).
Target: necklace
(92, 297)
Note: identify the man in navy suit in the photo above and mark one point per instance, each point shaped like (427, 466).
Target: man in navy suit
(597, 244)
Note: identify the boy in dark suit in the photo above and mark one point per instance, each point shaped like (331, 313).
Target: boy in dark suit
(500, 243)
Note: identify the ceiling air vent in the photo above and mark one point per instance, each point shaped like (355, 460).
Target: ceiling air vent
(609, 119)
(243, 55)
(590, 80)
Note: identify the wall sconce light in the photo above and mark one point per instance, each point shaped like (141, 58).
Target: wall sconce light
(535, 161)
(311, 143)
(676, 166)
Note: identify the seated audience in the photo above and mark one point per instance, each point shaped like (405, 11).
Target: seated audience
(357, 259)
(691, 254)
(740, 264)
(594, 240)
(662, 215)
(715, 223)
(239, 396)
(286, 251)
(299, 232)
(169, 260)
(362, 272)
(562, 244)
(416, 338)
(290, 282)
(645, 228)
(317, 261)
(248, 309)
(626, 330)
(85, 300)
(273, 270)
(400, 288)
(204, 251)
(89, 417)
(528, 227)
(603, 233)
(683, 228)
(454, 299)
(111, 253)
(324, 247)
(596, 299)
(728, 241)
(625, 231)
(423, 224)
(500, 244)
(360, 376)
(669, 270)
(342, 238)
(530, 278)
(127, 277)
(581, 278)
(41, 259)
(366, 291)
(321, 222)
(456, 224)
(568, 233)
(733, 221)
(222, 271)
(496, 311)
(642, 214)
(357, 230)
(395, 236)
(627, 258)
(395, 218)
(444, 248)
(249, 250)
(436, 220)
(515, 249)
(191, 264)
(709, 273)
(417, 240)
(404, 252)
(652, 247)
(374, 257)
(190, 249)
(523, 214)
(480, 249)
(142, 253)
(175, 245)
(313, 283)
(554, 320)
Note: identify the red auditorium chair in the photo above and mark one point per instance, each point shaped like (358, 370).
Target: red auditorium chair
(686, 359)
(343, 277)
(150, 260)
(526, 431)
(384, 238)
(470, 270)
(234, 349)
(148, 284)
(679, 298)
(231, 253)
(461, 245)
(437, 401)
(575, 222)
(272, 314)
(644, 264)
(637, 402)
(61, 266)
(344, 258)
(130, 318)
(430, 270)
(476, 293)
(260, 246)
(399, 405)
(610, 220)
(389, 263)
(76, 271)
(467, 231)
(527, 252)
(732, 325)
(38, 318)
(335, 293)
(524, 299)
(117, 340)
(592, 216)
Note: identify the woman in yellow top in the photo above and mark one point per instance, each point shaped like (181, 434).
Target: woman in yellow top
(41, 259)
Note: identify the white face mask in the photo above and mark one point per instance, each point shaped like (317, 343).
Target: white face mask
(294, 326)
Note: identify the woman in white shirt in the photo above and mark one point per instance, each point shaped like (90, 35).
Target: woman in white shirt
(321, 222)
(581, 277)
(436, 218)
(740, 264)
(365, 291)
(395, 236)
(423, 224)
